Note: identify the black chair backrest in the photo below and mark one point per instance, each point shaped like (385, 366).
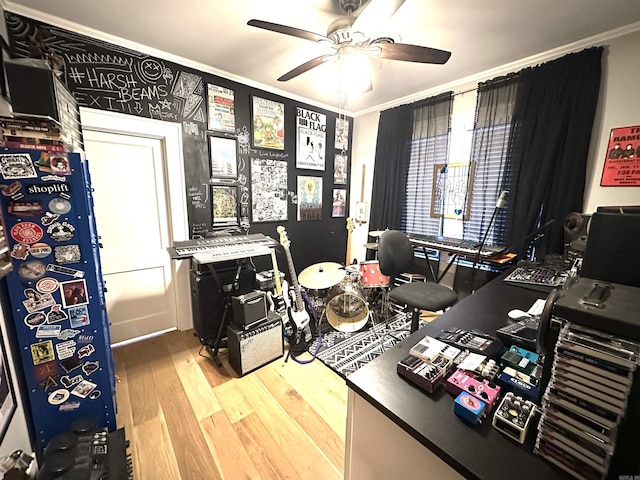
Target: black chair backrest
(395, 253)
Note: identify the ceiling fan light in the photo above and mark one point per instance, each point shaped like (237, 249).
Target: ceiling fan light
(354, 72)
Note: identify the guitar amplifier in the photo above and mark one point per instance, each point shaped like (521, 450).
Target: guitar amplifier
(252, 348)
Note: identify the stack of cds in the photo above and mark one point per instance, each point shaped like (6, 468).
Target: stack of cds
(586, 400)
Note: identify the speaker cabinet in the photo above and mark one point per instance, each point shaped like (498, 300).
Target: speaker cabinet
(257, 346)
(576, 228)
(207, 303)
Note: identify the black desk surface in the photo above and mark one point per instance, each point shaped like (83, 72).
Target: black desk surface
(479, 452)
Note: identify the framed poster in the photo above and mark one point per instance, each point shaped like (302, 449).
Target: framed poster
(339, 204)
(340, 169)
(309, 198)
(312, 133)
(7, 397)
(221, 109)
(622, 163)
(267, 124)
(342, 134)
(223, 157)
(269, 187)
(225, 205)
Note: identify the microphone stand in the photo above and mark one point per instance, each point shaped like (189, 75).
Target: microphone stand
(499, 206)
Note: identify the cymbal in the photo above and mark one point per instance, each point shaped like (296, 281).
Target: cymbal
(322, 275)
(376, 233)
(371, 246)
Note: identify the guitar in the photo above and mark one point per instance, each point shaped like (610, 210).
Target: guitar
(278, 302)
(298, 315)
(350, 228)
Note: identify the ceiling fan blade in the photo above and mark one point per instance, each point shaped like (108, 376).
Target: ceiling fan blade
(294, 32)
(412, 53)
(305, 67)
(374, 15)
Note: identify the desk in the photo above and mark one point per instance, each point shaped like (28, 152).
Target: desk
(395, 430)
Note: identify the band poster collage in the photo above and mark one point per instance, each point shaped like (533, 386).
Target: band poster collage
(268, 163)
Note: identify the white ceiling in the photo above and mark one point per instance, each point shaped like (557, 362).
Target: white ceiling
(481, 34)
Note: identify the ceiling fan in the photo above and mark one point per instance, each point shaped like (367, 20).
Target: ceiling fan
(347, 36)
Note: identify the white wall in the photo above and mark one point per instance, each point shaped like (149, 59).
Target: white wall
(618, 106)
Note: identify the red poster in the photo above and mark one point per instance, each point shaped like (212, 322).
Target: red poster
(622, 162)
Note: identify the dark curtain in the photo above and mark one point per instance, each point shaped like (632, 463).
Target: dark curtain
(390, 170)
(546, 163)
(495, 104)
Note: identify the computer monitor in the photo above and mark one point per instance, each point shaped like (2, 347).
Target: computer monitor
(612, 253)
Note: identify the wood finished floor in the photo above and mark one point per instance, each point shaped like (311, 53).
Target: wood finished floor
(186, 419)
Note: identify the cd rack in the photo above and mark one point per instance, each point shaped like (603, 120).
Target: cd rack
(586, 400)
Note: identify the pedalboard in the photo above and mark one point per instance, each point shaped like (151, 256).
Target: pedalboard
(513, 416)
(462, 381)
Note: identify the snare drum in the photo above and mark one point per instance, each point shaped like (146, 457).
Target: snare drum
(370, 275)
(347, 309)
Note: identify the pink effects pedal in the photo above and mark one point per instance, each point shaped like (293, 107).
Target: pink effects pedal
(480, 388)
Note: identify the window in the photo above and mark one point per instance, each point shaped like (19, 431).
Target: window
(429, 147)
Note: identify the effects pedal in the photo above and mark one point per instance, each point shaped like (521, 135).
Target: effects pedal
(520, 359)
(519, 383)
(513, 417)
(472, 340)
(462, 381)
(425, 375)
(428, 349)
(469, 408)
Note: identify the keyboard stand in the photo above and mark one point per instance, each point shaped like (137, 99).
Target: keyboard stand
(438, 277)
(226, 312)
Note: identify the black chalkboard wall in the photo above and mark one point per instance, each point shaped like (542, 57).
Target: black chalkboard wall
(106, 76)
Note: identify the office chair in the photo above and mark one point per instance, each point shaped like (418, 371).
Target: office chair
(395, 254)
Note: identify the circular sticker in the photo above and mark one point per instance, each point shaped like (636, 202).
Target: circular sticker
(27, 232)
(32, 270)
(40, 250)
(59, 205)
(47, 285)
(58, 396)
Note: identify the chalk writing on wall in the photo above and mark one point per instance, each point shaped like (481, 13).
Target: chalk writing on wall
(109, 77)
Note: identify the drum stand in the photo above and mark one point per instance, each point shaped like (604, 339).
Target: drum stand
(380, 303)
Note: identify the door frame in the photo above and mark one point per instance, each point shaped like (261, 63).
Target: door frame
(170, 134)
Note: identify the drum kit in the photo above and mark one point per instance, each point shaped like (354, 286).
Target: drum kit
(348, 296)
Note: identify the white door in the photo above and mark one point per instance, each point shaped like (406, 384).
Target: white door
(130, 201)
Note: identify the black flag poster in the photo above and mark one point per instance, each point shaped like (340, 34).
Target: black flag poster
(312, 133)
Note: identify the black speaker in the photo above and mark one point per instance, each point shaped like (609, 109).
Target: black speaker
(576, 227)
(207, 303)
(249, 309)
(257, 346)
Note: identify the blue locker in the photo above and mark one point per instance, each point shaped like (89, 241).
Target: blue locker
(56, 290)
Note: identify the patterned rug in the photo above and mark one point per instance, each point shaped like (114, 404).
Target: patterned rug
(345, 353)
